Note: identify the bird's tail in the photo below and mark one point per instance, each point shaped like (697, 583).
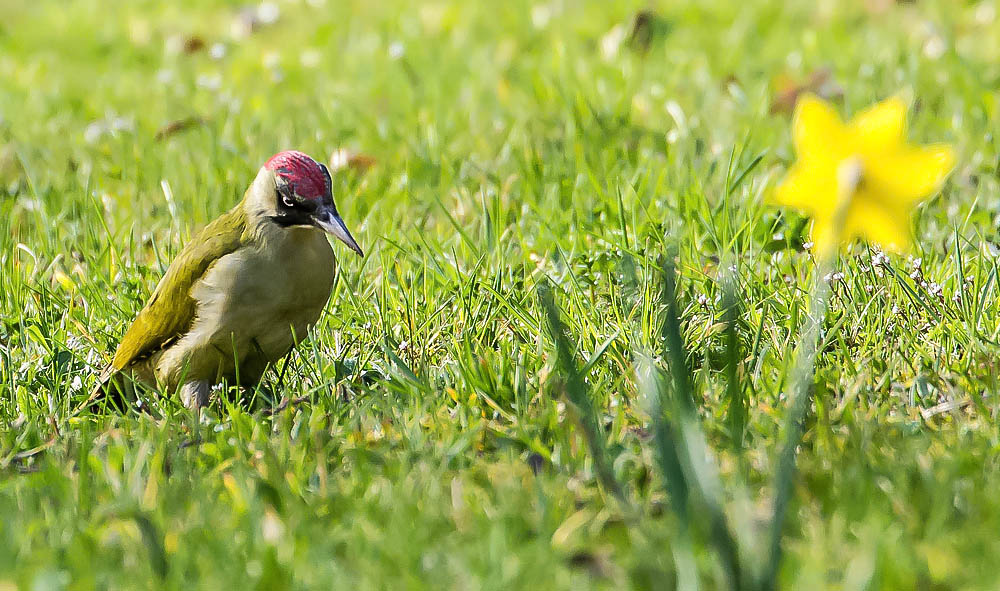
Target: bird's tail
(114, 391)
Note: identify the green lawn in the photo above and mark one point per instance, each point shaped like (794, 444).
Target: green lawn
(429, 442)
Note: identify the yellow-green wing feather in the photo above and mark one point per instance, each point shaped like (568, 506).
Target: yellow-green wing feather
(171, 310)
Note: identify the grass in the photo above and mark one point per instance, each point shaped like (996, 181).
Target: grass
(438, 438)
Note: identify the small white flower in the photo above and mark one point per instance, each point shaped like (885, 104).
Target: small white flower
(110, 125)
(310, 58)
(271, 528)
(540, 15)
(271, 60)
(612, 40)
(396, 50)
(339, 159)
(935, 47)
(173, 45)
(217, 51)
(209, 81)
(268, 13)
(985, 13)
(164, 76)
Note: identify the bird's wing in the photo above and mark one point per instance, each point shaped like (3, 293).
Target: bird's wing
(171, 310)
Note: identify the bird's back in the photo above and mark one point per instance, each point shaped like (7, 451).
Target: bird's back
(171, 310)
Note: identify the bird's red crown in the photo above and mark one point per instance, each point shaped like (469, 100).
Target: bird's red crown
(302, 172)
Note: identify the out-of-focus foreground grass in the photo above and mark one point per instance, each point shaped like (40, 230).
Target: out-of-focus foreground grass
(427, 445)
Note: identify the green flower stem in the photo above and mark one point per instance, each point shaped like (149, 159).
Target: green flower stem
(803, 372)
(801, 397)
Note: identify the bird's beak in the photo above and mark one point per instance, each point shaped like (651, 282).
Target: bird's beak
(330, 222)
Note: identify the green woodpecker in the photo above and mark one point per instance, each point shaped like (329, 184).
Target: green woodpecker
(243, 292)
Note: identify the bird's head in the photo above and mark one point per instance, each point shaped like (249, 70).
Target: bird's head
(302, 195)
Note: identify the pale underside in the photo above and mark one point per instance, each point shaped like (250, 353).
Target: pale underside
(252, 307)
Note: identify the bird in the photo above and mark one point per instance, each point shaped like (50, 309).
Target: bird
(242, 293)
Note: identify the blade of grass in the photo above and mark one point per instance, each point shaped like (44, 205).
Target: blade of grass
(670, 465)
(575, 390)
(687, 438)
(736, 411)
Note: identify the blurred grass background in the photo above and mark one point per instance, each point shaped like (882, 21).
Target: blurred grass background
(428, 446)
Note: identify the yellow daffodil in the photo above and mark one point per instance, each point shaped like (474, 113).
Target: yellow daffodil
(859, 179)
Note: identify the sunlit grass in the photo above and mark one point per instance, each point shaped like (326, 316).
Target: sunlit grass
(429, 443)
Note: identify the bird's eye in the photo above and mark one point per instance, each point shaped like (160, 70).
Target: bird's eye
(286, 195)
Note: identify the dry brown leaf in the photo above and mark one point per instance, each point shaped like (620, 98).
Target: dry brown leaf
(194, 44)
(343, 158)
(178, 125)
(788, 90)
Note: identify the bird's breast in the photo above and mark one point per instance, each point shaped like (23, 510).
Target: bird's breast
(292, 280)
(255, 303)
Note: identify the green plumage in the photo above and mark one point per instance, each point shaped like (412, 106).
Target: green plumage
(171, 310)
(236, 299)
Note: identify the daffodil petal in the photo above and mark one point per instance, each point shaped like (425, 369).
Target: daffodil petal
(912, 173)
(881, 127)
(887, 176)
(879, 222)
(816, 128)
(807, 187)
